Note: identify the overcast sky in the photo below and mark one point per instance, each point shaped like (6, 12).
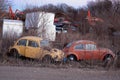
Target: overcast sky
(21, 4)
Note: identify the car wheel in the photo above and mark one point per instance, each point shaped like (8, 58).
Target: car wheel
(47, 59)
(108, 61)
(14, 53)
(71, 58)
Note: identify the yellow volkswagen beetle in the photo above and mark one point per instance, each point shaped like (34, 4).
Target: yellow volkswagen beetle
(36, 48)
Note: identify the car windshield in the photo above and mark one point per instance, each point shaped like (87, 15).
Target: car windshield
(68, 45)
(44, 43)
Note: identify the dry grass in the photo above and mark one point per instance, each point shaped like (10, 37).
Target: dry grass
(61, 41)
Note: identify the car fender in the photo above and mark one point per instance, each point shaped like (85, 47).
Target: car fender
(44, 52)
(14, 48)
(106, 53)
(71, 53)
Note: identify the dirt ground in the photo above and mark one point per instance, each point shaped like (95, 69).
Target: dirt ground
(27, 69)
(32, 73)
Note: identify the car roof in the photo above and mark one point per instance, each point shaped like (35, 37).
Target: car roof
(32, 38)
(84, 42)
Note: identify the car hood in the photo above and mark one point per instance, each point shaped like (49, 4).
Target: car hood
(57, 54)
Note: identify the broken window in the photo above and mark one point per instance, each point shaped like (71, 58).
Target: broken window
(90, 47)
(32, 44)
(22, 42)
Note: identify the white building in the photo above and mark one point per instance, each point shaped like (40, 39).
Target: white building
(12, 28)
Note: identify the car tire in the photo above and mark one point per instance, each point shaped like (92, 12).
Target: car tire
(14, 53)
(47, 59)
(71, 58)
(108, 61)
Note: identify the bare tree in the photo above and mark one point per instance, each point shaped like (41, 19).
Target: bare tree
(41, 23)
(3, 7)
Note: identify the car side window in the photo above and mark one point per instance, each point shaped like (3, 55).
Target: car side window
(33, 44)
(80, 46)
(22, 42)
(91, 47)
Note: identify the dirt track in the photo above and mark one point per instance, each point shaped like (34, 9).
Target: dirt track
(30, 73)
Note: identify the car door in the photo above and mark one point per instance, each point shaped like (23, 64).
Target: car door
(88, 52)
(21, 44)
(79, 49)
(32, 49)
(91, 52)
